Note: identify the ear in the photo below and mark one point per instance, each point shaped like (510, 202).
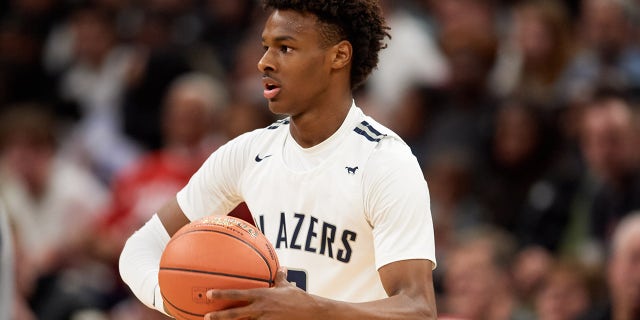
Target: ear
(342, 53)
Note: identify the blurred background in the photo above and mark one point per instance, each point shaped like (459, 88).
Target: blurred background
(524, 116)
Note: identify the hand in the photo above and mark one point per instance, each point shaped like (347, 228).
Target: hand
(283, 301)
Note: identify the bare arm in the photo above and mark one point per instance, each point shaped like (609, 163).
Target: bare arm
(172, 217)
(409, 284)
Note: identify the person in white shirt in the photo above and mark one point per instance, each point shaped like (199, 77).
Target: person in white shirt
(342, 198)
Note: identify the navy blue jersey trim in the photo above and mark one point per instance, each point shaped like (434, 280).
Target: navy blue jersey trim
(278, 124)
(369, 132)
(376, 132)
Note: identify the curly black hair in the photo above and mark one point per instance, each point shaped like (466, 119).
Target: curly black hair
(358, 21)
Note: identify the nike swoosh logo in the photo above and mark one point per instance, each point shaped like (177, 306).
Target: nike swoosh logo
(258, 159)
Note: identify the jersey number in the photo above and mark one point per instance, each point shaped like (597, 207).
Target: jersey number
(298, 278)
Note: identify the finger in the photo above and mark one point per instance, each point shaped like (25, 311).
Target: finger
(231, 314)
(237, 295)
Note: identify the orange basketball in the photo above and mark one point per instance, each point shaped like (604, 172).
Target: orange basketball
(216, 252)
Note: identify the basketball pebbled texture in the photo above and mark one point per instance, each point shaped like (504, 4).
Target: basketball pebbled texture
(215, 252)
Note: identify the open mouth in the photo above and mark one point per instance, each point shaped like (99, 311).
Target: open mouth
(271, 88)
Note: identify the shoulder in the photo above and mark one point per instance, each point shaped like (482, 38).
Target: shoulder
(387, 147)
(375, 132)
(389, 154)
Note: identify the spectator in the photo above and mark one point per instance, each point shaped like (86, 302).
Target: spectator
(609, 54)
(414, 117)
(531, 266)
(463, 118)
(22, 75)
(565, 292)
(477, 281)
(12, 303)
(95, 83)
(413, 58)
(519, 151)
(534, 61)
(577, 207)
(623, 274)
(610, 147)
(243, 116)
(192, 129)
(157, 61)
(53, 203)
(226, 25)
(455, 207)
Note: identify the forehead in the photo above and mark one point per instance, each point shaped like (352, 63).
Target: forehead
(290, 24)
(627, 240)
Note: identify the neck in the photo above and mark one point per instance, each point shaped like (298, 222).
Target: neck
(320, 122)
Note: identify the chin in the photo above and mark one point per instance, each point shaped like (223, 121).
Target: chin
(277, 107)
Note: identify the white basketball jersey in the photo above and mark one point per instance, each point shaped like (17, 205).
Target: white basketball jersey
(364, 206)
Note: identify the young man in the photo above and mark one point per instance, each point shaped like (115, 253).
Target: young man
(341, 198)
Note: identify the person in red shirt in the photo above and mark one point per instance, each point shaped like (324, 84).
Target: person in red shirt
(191, 114)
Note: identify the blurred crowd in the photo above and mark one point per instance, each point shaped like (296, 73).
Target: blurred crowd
(524, 115)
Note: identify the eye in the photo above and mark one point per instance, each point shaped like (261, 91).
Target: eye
(285, 49)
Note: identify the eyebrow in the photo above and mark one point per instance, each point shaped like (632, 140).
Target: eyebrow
(282, 38)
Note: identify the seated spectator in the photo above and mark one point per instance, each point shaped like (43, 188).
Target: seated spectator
(623, 274)
(413, 58)
(565, 293)
(192, 130)
(609, 51)
(519, 151)
(455, 207)
(609, 143)
(529, 269)
(94, 83)
(583, 206)
(535, 58)
(53, 204)
(477, 281)
(192, 123)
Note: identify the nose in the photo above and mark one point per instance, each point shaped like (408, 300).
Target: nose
(266, 62)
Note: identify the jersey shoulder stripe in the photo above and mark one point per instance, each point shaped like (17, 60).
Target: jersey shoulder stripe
(368, 131)
(278, 124)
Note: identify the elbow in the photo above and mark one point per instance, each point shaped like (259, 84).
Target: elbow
(422, 311)
(123, 261)
(427, 312)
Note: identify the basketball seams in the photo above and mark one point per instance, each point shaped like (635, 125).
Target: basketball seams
(196, 255)
(180, 309)
(249, 244)
(231, 275)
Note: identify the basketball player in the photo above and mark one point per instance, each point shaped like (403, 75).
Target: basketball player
(341, 197)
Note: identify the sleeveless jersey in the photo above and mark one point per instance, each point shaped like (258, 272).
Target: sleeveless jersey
(364, 206)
